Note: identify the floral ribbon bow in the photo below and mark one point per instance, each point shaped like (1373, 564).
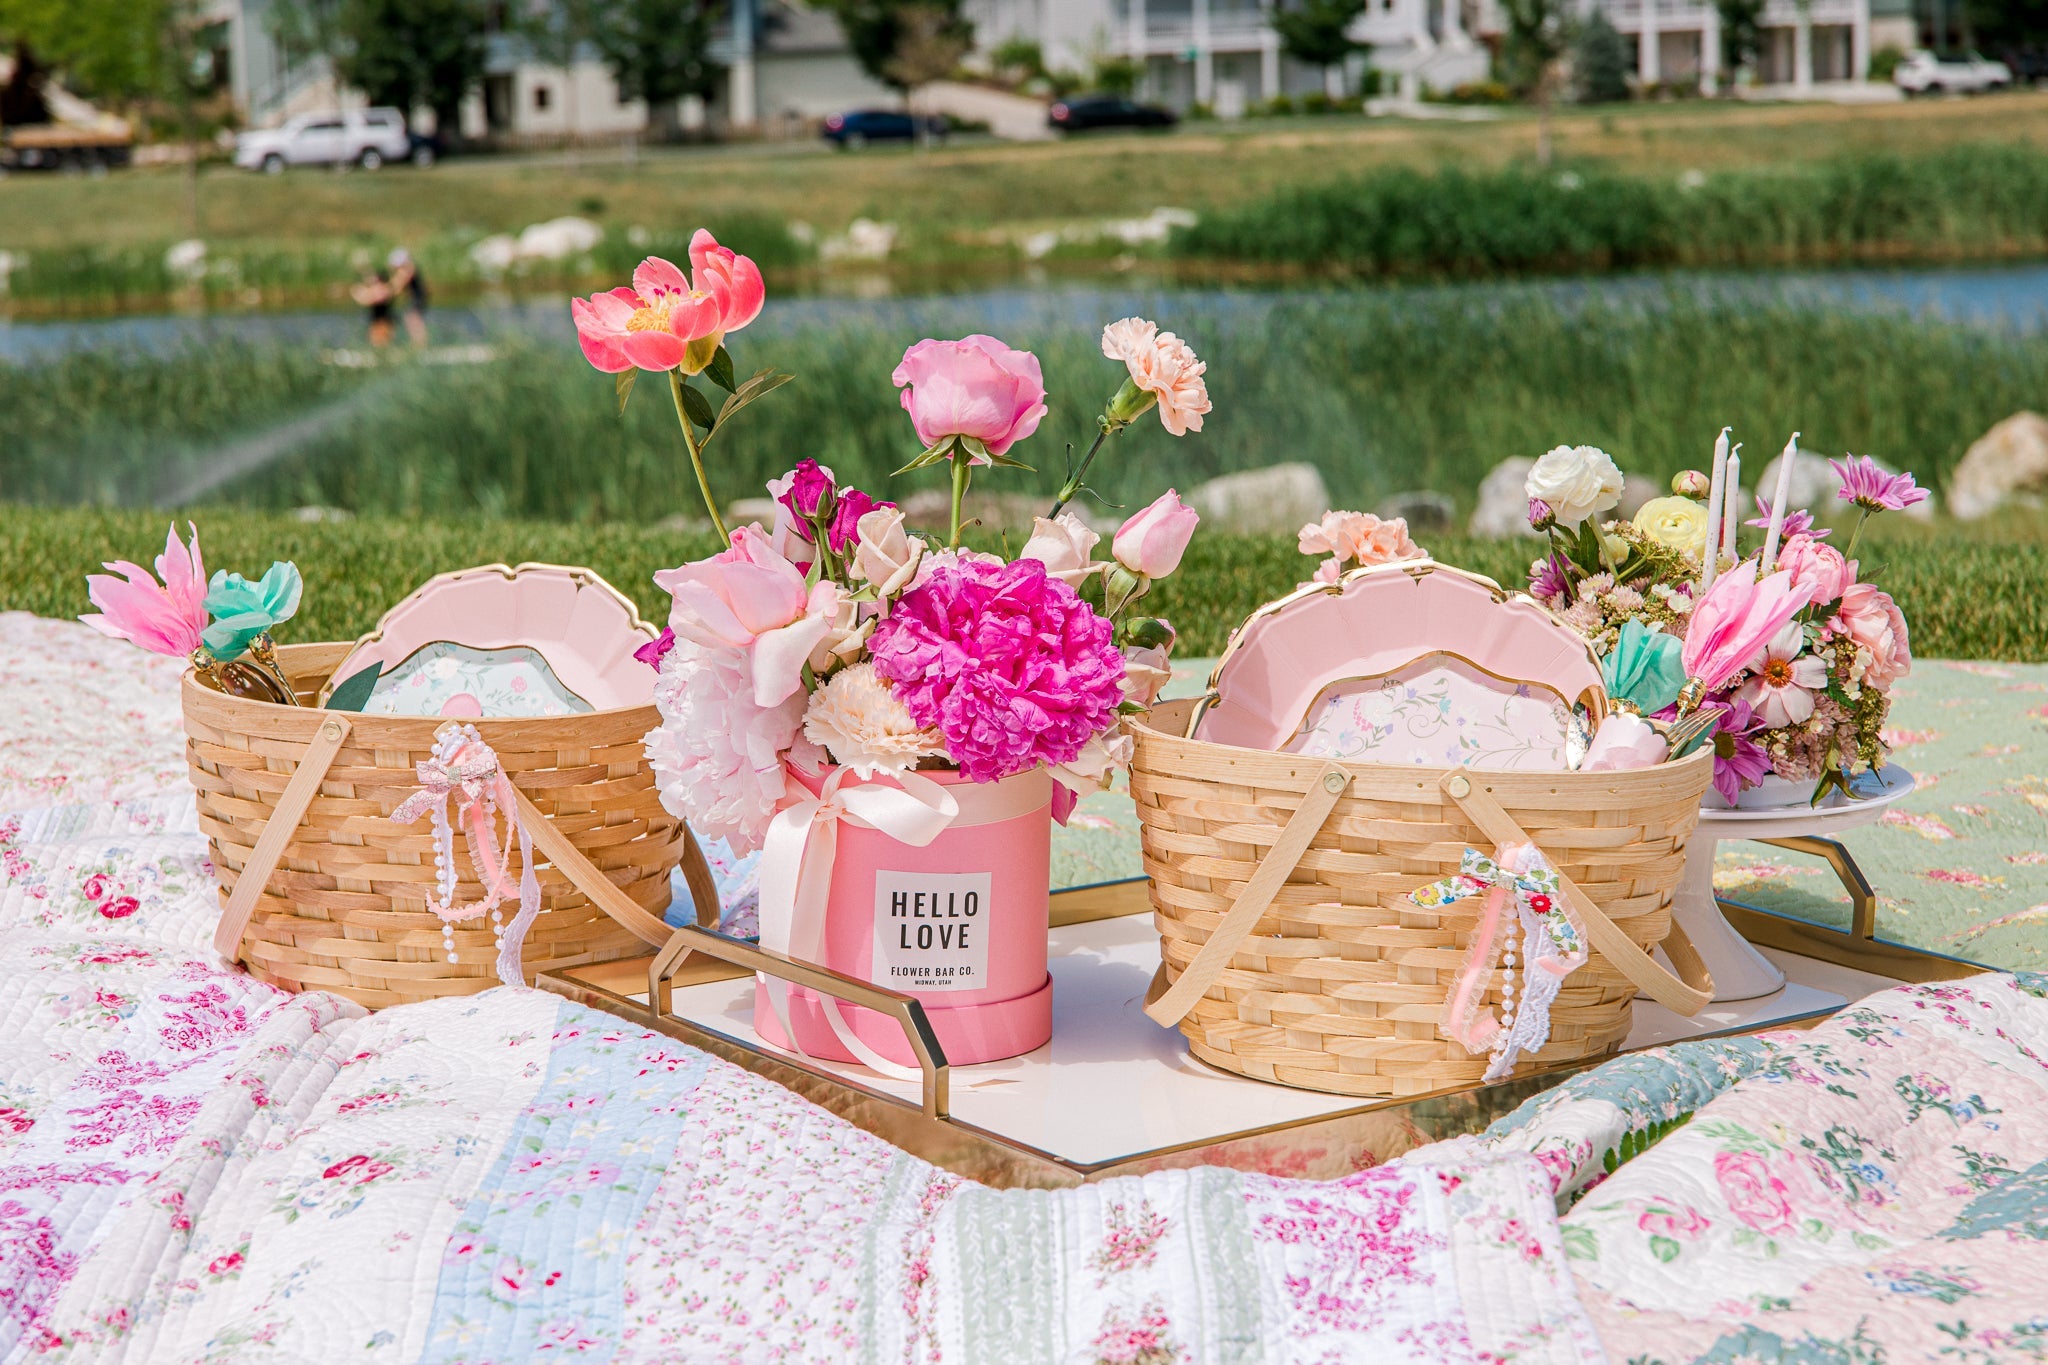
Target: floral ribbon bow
(1553, 945)
(465, 772)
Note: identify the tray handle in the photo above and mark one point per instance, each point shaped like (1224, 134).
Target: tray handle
(906, 1010)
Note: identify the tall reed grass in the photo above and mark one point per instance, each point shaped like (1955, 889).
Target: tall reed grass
(1975, 201)
(1382, 390)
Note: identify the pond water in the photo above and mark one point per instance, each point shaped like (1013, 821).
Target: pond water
(2012, 298)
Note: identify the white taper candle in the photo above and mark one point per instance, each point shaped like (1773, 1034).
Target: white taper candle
(1731, 504)
(1778, 501)
(1709, 547)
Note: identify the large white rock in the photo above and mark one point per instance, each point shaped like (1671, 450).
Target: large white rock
(1277, 500)
(558, 239)
(1503, 508)
(2007, 463)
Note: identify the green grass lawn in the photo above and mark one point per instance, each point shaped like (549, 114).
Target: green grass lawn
(1972, 594)
(959, 208)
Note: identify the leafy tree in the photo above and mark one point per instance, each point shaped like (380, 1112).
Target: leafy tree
(659, 51)
(1742, 34)
(1319, 32)
(2008, 26)
(1538, 35)
(1601, 62)
(404, 53)
(1116, 76)
(882, 33)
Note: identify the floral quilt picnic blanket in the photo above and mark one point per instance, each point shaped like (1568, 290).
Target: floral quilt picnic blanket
(195, 1167)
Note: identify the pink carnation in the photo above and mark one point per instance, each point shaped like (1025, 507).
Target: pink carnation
(1006, 662)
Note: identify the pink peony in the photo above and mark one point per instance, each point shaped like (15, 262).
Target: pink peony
(1163, 369)
(665, 321)
(1151, 543)
(1005, 661)
(1752, 1193)
(718, 756)
(752, 599)
(167, 618)
(1818, 568)
(1870, 618)
(976, 388)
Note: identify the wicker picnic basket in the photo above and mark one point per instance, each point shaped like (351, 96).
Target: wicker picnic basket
(1291, 952)
(321, 890)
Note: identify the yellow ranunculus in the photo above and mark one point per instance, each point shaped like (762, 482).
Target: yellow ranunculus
(1678, 523)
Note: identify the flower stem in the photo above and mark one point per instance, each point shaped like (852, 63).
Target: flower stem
(1073, 483)
(963, 469)
(1862, 515)
(675, 386)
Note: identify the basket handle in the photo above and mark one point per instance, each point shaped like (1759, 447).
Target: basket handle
(1682, 996)
(277, 833)
(1279, 864)
(602, 890)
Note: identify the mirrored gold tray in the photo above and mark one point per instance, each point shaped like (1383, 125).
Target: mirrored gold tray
(1113, 1094)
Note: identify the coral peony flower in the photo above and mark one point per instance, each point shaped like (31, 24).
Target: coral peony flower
(665, 321)
(1870, 488)
(1163, 370)
(1677, 523)
(718, 754)
(1798, 523)
(1151, 543)
(749, 598)
(1010, 665)
(242, 610)
(975, 388)
(1870, 618)
(1783, 678)
(165, 618)
(885, 554)
(864, 726)
(1818, 568)
(1065, 544)
(1576, 482)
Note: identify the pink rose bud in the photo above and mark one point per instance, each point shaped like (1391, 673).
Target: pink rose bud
(1152, 542)
(810, 489)
(1690, 483)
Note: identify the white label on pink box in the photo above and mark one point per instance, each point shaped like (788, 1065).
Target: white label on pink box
(931, 931)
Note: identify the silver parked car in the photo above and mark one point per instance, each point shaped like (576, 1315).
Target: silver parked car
(1923, 73)
(361, 137)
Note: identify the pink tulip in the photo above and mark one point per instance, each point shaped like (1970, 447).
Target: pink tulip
(166, 618)
(1151, 543)
(975, 387)
(665, 321)
(749, 598)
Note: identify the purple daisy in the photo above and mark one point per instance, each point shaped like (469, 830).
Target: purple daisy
(1870, 488)
(1739, 761)
(1799, 523)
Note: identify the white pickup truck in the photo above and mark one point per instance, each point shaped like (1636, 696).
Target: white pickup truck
(1923, 73)
(363, 137)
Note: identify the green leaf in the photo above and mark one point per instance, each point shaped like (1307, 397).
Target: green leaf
(1580, 1244)
(622, 384)
(719, 371)
(931, 455)
(1664, 1249)
(764, 382)
(1006, 462)
(698, 407)
(354, 693)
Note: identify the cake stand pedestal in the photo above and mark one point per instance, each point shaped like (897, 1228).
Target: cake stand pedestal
(1740, 971)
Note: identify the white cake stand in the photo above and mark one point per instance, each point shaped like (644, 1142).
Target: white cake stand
(1740, 971)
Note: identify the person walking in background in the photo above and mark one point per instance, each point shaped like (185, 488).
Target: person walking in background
(407, 280)
(375, 293)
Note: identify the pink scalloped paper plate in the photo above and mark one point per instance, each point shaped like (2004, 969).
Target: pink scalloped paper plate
(1370, 630)
(556, 636)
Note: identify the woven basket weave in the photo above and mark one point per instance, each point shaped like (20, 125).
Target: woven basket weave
(340, 903)
(1324, 975)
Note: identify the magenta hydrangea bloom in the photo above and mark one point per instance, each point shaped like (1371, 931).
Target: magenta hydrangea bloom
(1010, 665)
(1870, 488)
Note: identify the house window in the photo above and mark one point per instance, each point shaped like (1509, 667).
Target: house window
(541, 95)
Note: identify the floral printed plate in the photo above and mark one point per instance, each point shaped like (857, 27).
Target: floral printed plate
(1442, 712)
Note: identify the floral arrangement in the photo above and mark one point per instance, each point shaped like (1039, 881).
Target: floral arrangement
(1807, 705)
(222, 625)
(837, 633)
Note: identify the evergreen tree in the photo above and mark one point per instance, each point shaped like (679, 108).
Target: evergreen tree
(1601, 62)
(1318, 32)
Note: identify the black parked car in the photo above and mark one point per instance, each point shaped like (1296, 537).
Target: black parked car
(1107, 111)
(862, 126)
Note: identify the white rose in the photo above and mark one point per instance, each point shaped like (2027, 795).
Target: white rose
(1064, 545)
(1576, 481)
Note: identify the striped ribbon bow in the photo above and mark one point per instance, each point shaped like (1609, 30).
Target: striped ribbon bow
(1553, 945)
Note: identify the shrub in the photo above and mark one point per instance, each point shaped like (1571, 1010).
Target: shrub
(1885, 61)
(1601, 62)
